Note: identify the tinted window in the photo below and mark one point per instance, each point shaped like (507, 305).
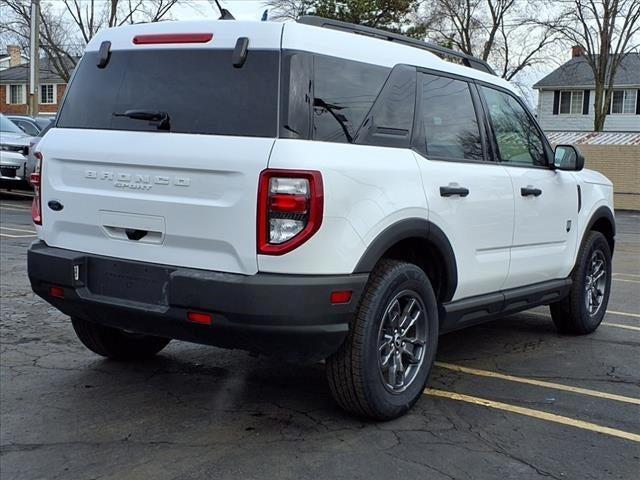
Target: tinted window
(8, 126)
(27, 127)
(297, 71)
(390, 120)
(449, 121)
(519, 140)
(200, 90)
(344, 92)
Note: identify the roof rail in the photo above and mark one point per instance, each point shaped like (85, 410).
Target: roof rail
(442, 52)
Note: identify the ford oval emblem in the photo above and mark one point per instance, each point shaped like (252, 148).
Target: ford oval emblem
(55, 205)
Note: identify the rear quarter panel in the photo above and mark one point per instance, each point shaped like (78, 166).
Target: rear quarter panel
(366, 189)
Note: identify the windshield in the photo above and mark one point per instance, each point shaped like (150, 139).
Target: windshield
(178, 90)
(8, 126)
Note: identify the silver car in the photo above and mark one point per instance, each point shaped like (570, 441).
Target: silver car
(14, 148)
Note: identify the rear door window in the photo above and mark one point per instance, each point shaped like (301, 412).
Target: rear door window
(200, 90)
(450, 128)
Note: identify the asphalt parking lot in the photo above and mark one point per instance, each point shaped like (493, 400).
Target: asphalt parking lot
(510, 399)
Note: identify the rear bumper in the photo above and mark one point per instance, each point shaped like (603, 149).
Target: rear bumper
(289, 316)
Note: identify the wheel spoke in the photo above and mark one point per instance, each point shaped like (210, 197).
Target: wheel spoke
(406, 313)
(394, 314)
(415, 341)
(392, 372)
(386, 358)
(410, 354)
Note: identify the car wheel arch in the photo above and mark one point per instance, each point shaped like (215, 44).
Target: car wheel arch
(431, 244)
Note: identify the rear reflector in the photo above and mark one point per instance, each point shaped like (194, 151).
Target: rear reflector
(56, 292)
(341, 297)
(172, 38)
(201, 318)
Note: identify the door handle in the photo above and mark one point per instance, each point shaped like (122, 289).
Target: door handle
(529, 191)
(451, 191)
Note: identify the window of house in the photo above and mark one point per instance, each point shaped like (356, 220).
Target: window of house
(449, 119)
(518, 138)
(571, 102)
(17, 94)
(623, 101)
(47, 94)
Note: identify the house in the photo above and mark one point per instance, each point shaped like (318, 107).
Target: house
(12, 58)
(566, 96)
(14, 91)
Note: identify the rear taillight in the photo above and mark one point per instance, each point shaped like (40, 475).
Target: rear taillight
(36, 183)
(290, 204)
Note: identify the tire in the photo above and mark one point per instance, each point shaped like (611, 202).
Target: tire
(117, 344)
(360, 383)
(573, 314)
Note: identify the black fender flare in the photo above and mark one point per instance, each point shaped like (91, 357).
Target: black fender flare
(600, 213)
(413, 228)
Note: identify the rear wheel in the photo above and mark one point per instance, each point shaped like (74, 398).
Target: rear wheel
(382, 368)
(115, 343)
(582, 311)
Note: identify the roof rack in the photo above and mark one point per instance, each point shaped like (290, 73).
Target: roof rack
(442, 52)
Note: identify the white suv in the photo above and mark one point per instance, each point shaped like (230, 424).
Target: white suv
(311, 190)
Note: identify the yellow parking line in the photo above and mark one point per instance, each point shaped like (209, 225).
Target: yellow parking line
(16, 229)
(626, 275)
(626, 314)
(17, 194)
(550, 417)
(538, 383)
(12, 205)
(16, 236)
(12, 209)
(619, 325)
(625, 280)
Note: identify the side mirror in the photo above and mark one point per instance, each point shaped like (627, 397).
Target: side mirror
(568, 157)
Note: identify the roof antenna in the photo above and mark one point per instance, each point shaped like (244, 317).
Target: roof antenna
(224, 13)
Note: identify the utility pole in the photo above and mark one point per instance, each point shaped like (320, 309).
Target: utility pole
(34, 61)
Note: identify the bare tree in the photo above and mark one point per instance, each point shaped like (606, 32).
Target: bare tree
(65, 31)
(501, 32)
(289, 9)
(607, 30)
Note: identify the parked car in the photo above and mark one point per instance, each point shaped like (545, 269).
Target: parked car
(30, 125)
(14, 146)
(30, 165)
(312, 190)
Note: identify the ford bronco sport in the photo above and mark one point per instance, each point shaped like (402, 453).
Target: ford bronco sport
(313, 190)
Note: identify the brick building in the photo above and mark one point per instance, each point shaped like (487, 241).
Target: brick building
(14, 89)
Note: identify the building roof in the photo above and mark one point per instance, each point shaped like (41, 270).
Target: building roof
(20, 73)
(577, 73)
(593, 138)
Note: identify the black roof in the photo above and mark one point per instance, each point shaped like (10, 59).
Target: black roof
(20, 73)
(577, 73)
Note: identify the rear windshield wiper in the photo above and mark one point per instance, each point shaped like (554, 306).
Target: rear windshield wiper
(148, 115)
(334, 112)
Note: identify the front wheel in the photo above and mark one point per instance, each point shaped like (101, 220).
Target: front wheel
(582, 311)
(382, 368)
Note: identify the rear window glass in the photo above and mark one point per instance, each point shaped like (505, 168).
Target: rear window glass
(344, 92)
(200, 90)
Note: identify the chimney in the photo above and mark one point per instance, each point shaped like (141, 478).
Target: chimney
(14, 52)
(577, 51)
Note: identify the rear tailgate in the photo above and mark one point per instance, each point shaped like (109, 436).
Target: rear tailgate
(183, 197)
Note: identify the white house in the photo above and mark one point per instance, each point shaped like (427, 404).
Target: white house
(566, 97)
